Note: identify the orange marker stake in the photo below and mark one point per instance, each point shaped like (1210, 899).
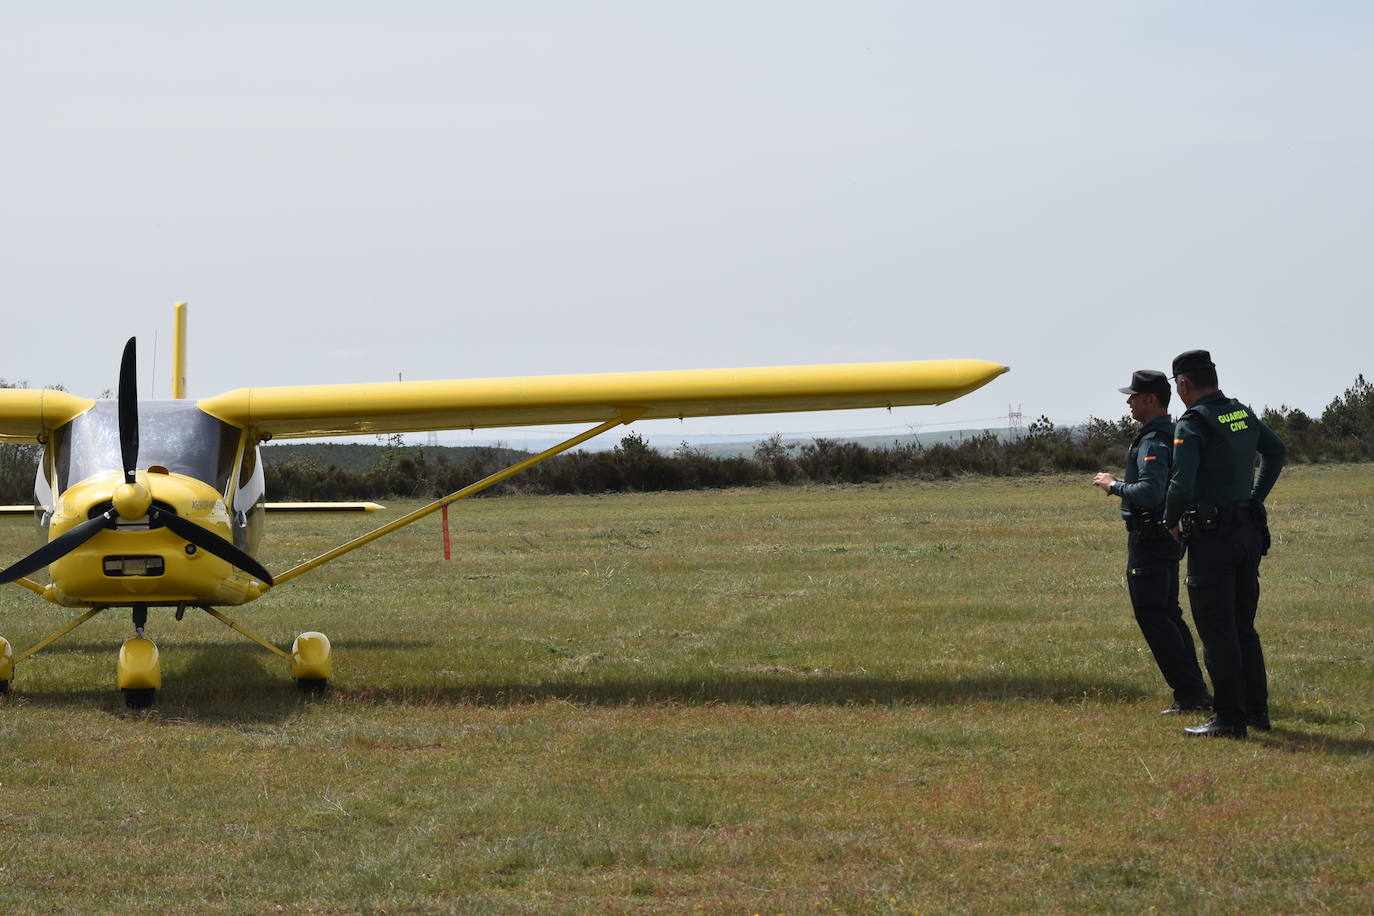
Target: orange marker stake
(446, 549)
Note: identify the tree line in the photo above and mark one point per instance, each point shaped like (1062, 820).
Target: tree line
(1344, 432)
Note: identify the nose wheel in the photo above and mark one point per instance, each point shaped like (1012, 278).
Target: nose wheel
(139, 697)
(139, 672)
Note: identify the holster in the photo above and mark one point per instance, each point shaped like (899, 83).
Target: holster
(1261, 520)
(1146, 522)
(1211, 517)
(1188, 524)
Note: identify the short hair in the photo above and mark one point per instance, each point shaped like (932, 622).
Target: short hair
(1201, 378)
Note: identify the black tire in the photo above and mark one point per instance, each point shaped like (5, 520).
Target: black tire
(312, 685)
(139, 698)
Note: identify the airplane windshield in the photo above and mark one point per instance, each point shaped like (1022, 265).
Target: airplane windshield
(175, 434)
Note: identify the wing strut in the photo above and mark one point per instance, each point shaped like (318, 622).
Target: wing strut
(626, 416)
(235, 625)
(59, 634)
(32, 586)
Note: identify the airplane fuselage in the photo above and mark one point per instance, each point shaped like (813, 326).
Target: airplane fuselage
(205, 471)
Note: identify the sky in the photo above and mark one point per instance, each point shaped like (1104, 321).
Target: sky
(351, 192)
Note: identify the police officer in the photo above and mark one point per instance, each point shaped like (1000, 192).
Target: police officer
(1151, 554)
(1215, 503)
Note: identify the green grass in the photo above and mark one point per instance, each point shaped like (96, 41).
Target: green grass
(893, 698)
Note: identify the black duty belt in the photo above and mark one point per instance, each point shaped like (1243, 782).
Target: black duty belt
(1246, 514)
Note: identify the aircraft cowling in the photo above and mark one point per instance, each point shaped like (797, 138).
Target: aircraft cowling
(134, 562)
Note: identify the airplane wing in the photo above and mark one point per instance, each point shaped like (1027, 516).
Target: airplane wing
(319, 507)
(27, 508)
(28, 414)
(397, 407)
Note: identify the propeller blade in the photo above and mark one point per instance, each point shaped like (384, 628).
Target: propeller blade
(59, 546)
(128, 409)
(207, 540)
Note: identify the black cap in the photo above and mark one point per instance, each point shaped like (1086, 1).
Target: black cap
(1191, 360)
(1147, 381)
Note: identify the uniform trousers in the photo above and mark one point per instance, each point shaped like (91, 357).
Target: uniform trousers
(1152, 577)
(1223, 589)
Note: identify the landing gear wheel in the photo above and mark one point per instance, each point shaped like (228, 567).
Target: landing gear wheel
(6, 665)
(139, 697)
(139, 672)
(312, 662)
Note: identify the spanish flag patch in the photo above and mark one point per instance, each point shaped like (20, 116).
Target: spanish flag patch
(1151, 457)
(1178, 442)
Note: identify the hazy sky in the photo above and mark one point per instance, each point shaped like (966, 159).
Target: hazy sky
(345, 192)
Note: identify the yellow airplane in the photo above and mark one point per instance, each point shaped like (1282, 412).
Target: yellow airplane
(159, 503)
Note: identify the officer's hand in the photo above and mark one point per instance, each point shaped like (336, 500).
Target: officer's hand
(1177, 533)
(1105, 481)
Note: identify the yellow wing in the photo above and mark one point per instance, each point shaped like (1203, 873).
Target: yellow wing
(395, 407)
(27, 414)
(308, 507)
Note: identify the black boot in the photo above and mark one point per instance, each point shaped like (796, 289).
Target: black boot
(1215, 728)
(1194, 704)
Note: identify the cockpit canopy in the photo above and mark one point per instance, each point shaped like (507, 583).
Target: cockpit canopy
(177, 435)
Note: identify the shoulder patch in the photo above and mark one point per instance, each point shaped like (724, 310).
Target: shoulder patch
(1178, 440)
(1151, 457)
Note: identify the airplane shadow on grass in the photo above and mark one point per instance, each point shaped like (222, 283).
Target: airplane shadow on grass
(167, 648)
(797, 689)
(768, 690)
(218, 684)
(238, 684)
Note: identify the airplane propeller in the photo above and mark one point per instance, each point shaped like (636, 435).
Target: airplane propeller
(60, 546)
(210, 542)
(128, 409)
(133, 500)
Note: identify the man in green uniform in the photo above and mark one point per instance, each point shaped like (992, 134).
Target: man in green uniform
(1216, 504)
(1151, 554)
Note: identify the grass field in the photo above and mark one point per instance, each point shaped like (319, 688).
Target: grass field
(917, 697)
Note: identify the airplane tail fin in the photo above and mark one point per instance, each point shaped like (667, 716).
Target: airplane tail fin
(179, 350)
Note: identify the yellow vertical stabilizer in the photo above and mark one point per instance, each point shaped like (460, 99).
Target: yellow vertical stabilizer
(179, 350)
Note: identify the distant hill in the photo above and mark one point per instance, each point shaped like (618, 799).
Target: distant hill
(359, 458)
(724, 449)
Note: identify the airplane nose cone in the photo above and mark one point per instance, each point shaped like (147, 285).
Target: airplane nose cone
(131, 501)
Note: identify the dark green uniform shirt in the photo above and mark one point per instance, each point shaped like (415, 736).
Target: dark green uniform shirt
(1147, 468)
(1215, 443)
